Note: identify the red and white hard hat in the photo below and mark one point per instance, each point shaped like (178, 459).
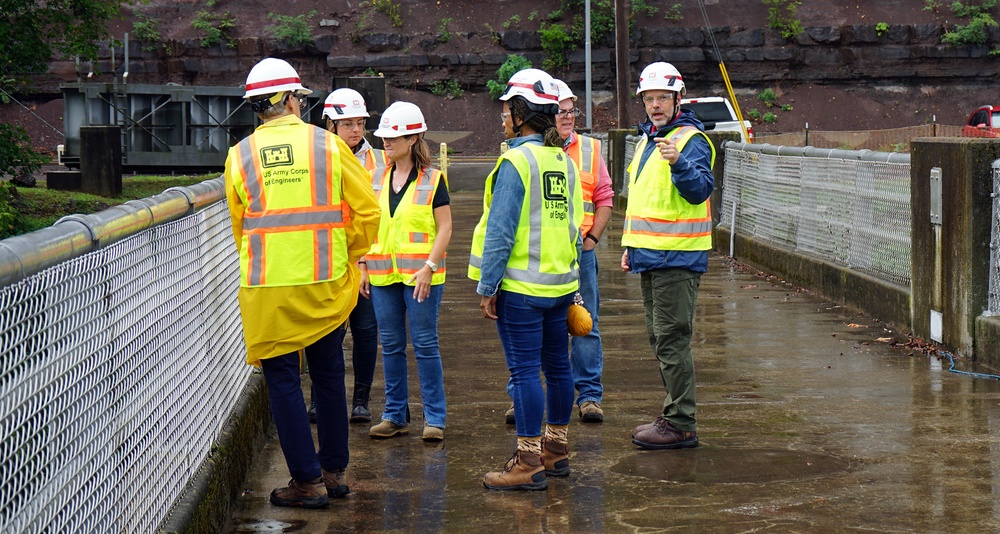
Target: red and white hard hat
(662, 76)
(535, 86)
(345, 104)
(273, 75)
(564, 90)
(399, 119)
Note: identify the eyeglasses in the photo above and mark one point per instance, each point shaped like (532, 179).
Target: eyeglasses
(662, 99)
(351, 125)
(504, 115)
(575, 112)
(301, 99)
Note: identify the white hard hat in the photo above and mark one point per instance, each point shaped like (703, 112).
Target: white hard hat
(345, 104)
(535, 86)
(273, 75)
(399, 119)
(662, 76)
(564, 90)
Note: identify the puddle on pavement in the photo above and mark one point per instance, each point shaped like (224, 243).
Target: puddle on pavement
(270, 525)
(708, 465)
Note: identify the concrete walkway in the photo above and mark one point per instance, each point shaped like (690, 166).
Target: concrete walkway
(808, 423)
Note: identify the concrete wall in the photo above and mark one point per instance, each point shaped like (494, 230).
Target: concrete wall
(951, 260)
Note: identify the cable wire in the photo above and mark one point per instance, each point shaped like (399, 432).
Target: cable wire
(10, 96)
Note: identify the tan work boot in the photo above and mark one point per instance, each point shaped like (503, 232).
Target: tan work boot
(524, 471)
(387, 429)
(336, 483)
(433, 433)
(301, 495)
(509, 416)
(555, 457)
(591, 412)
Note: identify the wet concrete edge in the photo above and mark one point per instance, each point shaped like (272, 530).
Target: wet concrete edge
(208, 497)
(882, 300)
(988, 341)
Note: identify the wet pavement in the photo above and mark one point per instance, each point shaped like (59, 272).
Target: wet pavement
(807, 422)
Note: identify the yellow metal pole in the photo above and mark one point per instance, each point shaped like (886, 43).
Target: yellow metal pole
(736, 104)
(443, 156)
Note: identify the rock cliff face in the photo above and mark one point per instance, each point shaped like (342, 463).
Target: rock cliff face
(908, 54)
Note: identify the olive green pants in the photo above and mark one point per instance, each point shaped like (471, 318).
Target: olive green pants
(669, 297)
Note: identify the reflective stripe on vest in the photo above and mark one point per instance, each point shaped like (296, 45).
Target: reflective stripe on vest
(375, 159)
(406, 237)
(528, 250)
(658, 217)
(313, 224)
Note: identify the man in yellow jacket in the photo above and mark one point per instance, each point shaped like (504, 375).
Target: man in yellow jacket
(303, 213)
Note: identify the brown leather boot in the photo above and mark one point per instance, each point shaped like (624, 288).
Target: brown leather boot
(663, 435)
(646, 426)
(301, 495)
(524, 471)
(336, 483)
(555, 457)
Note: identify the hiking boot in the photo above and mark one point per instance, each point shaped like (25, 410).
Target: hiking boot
(312, 412)
(509, 416)
(646, 426)
(663, 435)
(301, 495)
(433, 433)
(555, 457)
(524, 471)
(387, 429)
(359, 410)
(591, 412)
(336, 483)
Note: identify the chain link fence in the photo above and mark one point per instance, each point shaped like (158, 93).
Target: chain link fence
(850, 208)
(119, 369)
(994, 285)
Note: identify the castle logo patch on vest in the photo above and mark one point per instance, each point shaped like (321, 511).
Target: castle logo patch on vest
(273, 156)
(556, 192)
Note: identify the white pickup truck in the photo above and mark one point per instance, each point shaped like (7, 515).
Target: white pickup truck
(716, 113)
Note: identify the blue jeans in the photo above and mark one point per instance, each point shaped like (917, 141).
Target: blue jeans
(284, 389)
(364, 333)
(587, 358)
(534, 338)
(394, 307)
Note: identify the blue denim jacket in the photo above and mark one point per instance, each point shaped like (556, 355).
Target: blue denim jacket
(693, 178)
(505, 214)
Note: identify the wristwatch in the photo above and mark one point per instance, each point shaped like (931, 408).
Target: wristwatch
(432, 265)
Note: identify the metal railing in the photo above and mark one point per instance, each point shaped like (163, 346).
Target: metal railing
(123, 357)
(993, 299)
(887, 140)
(850, 208)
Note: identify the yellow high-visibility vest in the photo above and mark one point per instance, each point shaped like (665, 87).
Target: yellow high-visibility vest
(293, 227)
(657, 217)
(405, 238)
(585, 151)
(375, 159)
(543, 261)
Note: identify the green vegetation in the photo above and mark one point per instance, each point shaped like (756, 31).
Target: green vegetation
(768, 97)
(975, 33)
(972, 9)
(881, 28)
(533, 15)
(754, 114)
(781, 16)
(147, 31)
(387, 8)
(932, 5)
(443, 35)
(371, 72)
(38, 207)
(513, 21)
(447, 88)
(296, 31)
(786, 107)
(510, 66)
(556, 43)
(218, 29)
(31, 32)
(769, 117)
(673, 13)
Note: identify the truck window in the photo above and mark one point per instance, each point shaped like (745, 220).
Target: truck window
(710, 111)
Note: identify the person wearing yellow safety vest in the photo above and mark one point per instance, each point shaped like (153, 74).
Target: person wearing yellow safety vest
(303, 212)
(525, 251)
(406, 270)
(345, 112)
(667, 235)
